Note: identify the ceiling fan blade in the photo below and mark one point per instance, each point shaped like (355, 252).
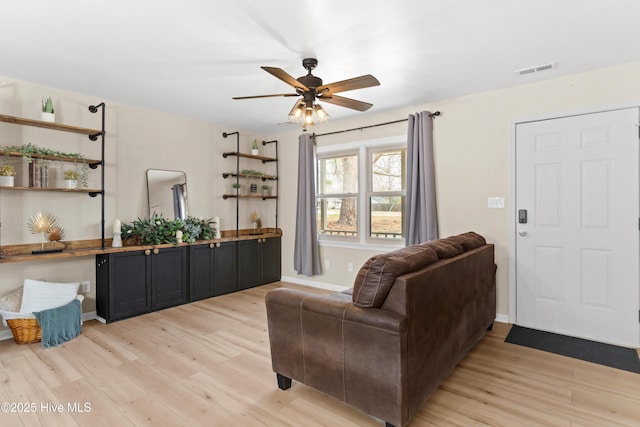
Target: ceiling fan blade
(346, 102)
(265, 96)
(350, 84)
(285, 77)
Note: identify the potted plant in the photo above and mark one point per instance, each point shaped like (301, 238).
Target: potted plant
(7, 175)
(47, 110)
(266, 190)
(71, 178)
(254, 149)
(236, 187)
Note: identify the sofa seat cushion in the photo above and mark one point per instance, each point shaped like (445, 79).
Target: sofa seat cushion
(376, 276)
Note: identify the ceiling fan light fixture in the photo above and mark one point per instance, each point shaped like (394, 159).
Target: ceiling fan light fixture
(321, 113)
(296, 112)
(308, 117)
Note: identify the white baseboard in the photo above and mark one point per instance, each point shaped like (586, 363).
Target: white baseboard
(314, 284)
(502, 318)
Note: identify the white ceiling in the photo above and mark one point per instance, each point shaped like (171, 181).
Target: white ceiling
(190, 57)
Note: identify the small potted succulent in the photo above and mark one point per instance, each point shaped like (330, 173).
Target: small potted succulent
(237, 187)
(266, 190)
(71, 178)
(7, 175)
(47, 114)
(254, 148)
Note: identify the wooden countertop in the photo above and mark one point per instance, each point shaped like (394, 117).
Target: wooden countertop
(82, 248)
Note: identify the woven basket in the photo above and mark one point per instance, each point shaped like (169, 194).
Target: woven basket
(25, 330)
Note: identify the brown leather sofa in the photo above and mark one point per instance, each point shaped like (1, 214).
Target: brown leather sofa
(385, 347)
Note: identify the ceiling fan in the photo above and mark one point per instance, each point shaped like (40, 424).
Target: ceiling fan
(310, 88)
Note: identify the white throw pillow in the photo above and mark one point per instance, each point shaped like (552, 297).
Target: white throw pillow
(38, 296)
(11, 301)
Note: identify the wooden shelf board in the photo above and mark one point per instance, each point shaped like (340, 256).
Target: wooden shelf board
(65, 190)
(53, 158)
(47, 125)
(242, 196)
(241, 175)
(249, 156)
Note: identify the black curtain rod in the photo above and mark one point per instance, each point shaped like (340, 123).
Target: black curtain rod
(315, 135)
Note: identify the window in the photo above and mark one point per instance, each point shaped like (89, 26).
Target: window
(361, 192)
(387, 191)
(338, 195)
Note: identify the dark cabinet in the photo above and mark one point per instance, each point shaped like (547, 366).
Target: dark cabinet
(248, 263)
(212, 270)
(123, 285)
(169, 277)
(137, 282)
(226, 267)
(258, 262)
(271, 259)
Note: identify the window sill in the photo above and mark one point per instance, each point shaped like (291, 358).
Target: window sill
(369, 246)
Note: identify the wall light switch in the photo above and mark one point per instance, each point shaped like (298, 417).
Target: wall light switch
(495, 202)
(86, 286)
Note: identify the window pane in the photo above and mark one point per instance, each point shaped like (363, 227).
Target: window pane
(338, 175)
(387, 170)
(387, 217)
(338, 216)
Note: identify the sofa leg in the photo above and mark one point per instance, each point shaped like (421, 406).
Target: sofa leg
(490, 327)
(284, 383)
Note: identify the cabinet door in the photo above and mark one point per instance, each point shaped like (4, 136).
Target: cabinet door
(249, 264)
(128, 285)
(271, 260)
(225, 268)
(201, 272)
(169, 277)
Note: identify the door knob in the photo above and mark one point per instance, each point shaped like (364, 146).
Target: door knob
(522, 233)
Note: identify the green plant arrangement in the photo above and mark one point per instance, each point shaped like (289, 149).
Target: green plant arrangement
(250, 173)
(265, 187)
(30, 151)
(47, 105)
(158, 230)
(7, 170)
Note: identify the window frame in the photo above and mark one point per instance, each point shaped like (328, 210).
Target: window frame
(363, 150)
(371, 194)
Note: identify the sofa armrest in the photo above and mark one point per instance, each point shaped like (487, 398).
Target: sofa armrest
(337, 305)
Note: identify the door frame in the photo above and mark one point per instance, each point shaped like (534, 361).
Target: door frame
(512, 214)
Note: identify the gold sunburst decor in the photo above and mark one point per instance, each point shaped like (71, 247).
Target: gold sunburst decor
(56, 234)
(45, 223)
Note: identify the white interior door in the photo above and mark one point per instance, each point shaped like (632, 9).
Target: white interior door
(577, 252)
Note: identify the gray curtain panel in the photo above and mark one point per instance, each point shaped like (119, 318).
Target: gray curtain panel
(306, 255)
(421, 224)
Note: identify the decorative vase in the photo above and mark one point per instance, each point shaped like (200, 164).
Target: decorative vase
(117, 240)
(255, 152)
(7, 181)
(48, 117)
(71, 183)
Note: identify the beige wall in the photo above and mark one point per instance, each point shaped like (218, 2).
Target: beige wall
(472, 140)
(137, 139)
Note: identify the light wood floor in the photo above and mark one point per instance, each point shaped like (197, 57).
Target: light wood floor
(207, 364)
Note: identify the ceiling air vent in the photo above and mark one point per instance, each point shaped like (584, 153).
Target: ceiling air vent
(537, 68)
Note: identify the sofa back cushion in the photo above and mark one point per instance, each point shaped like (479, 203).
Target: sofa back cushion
(445, 248)
(469, 240)
(376, 276)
